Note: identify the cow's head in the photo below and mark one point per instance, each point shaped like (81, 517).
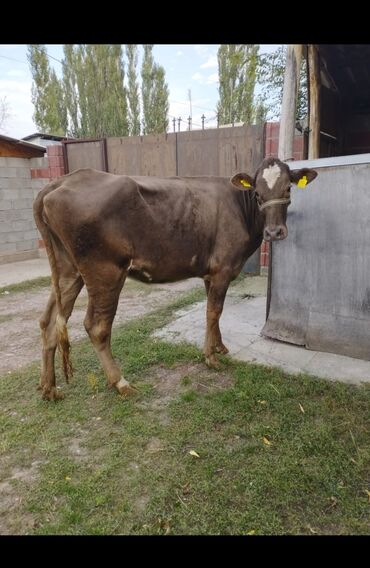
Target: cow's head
(271, 186)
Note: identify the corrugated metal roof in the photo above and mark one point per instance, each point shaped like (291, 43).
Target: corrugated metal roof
(44, 136)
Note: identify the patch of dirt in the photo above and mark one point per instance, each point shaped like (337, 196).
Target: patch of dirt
(10, 501)
(169, 383)
(20, 340)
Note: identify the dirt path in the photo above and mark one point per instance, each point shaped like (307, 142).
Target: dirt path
(20, 341)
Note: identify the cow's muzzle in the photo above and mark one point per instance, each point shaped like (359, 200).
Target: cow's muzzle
(275, 233)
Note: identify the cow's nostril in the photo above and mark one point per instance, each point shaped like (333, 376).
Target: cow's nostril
(275, 233)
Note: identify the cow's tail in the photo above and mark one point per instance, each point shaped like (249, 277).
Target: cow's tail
(63, 344)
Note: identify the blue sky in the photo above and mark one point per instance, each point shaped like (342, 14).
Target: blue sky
(187, 67)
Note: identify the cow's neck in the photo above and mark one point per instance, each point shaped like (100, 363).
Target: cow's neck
(251, 213)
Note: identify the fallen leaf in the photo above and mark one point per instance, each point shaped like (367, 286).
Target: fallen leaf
(251, 532)
(301, 408)
(186, 488)
(334, 502)
(367, 493)
(275, 389)
(194, 453)
(262, 401)
(266, 441)
(67, 478)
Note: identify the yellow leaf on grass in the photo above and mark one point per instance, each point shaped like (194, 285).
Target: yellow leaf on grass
(367, 493)
(301, 408)
(266, 441)
(262, 401)
(194, 453)
(67, 478)
(251, 532)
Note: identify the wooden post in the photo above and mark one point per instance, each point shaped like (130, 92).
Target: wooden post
(314, 103)
(289, 104)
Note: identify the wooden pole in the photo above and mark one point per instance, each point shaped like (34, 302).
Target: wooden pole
(289, 103)
(314, 90)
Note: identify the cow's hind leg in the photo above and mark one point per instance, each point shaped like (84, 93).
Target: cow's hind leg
(70, 283)
(104, 287)
(216, 293)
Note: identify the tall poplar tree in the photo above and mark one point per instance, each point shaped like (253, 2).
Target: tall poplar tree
(47, 94)
(155, 94)
(133, 90)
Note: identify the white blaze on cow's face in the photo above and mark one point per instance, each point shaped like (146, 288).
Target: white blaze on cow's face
(271, 175)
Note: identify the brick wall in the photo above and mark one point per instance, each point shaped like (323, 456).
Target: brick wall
(271, 149)
(20, 181)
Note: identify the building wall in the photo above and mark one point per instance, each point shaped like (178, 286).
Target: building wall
(43, 142)
(20, 181)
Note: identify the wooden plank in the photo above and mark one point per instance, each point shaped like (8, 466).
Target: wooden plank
(85, 155)
(289, 103)
(11, 150)
(154, 154)
(314, 106)
(198, 153)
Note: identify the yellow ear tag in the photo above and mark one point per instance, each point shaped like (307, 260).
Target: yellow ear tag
(302, 182)
(245, 183)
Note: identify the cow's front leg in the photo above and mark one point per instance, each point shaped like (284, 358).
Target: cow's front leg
(217, 289)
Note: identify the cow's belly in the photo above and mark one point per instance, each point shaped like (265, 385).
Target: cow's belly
(165, 270)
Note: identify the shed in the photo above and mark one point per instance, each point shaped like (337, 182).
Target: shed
(319, 291)
(14, 148)
(18, 233)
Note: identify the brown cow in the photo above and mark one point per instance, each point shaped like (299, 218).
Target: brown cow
(98, 228)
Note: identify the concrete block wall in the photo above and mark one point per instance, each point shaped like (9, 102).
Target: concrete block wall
(20, 181)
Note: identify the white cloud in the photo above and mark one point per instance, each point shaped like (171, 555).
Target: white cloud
(212, 79)
(200, 78)
(211, 62)
(18, 96)
(16, 73)
(197, 77)
(201, 49)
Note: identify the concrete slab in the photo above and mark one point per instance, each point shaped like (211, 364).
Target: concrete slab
(15, 272)
(241, 323)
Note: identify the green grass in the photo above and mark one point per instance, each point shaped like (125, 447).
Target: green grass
(106, 465)
(27, 285)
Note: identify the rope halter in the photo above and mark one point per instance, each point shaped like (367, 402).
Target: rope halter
(282, 201)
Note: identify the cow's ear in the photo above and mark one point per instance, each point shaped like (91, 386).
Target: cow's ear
(242, 181)
(302, 177)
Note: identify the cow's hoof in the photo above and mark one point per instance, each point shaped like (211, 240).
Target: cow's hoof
(212, 362)
(222, 349)
(52, 394)
(125, 389)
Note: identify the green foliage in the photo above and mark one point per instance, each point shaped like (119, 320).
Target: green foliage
(133, 90)
(91, 99)
(237, 66)
(154, 94)
(95, 92)
(47, 93)
(270, 75)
